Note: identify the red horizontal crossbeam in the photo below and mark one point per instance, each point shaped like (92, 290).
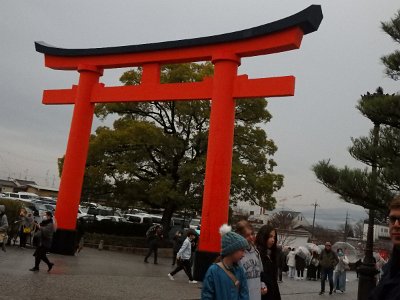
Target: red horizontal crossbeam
(243, 88)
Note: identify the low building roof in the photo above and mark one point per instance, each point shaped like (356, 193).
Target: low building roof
(10, 183)
(43, 188)
(20, 182)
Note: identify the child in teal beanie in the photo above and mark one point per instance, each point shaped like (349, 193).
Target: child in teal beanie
(226, 279)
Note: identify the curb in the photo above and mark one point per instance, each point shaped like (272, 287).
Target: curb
(162, 252)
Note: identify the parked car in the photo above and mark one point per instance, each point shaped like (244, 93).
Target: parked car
(50, 207)
(12, 196)
(89, 204)
(139, 218)
(38, 210)
(180, 222)
(22, 196)
(100, 212)
(82, 212)
(48, 200)
(27, 196)
(88, 218)
(116, 219)
(195, 224)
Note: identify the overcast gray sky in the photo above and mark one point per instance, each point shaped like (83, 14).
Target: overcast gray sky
(334, 66)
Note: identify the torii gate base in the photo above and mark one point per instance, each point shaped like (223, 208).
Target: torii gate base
(225, 51)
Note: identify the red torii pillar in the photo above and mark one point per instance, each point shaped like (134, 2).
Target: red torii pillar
(225, 51)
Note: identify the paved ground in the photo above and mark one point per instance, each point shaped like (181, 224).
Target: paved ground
(112, 275)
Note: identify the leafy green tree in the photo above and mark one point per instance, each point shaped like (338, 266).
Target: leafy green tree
(392, 61)
(154, 154)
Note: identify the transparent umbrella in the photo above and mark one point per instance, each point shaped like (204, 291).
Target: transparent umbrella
(303, 252)
(349, 250)
(313, 248)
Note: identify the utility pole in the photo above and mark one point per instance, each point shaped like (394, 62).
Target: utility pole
(345, 227)
(313, 221)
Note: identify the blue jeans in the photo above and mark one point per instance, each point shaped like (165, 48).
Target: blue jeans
(340, 280)
(326, 273)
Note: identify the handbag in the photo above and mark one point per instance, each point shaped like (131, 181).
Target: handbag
(3, 237)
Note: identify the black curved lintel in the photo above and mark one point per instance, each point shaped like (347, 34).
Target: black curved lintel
(308, 20)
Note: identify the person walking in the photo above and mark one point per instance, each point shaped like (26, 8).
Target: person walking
(183, 257)
(300, 266)
(226, 279)
(291, 262)
(154, 236)
(177, 242)
(25, 228)
(3, 227)
(328, 260)
(388, 287)
(340, 271)
(251, 262)
(266, 241)
(45, 235)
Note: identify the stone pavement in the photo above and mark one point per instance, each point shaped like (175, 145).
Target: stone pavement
(112, 275)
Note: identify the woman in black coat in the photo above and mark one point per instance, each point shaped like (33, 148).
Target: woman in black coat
(266, 243)
(300, 266)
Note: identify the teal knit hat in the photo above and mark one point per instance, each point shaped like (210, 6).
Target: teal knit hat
(231, 241)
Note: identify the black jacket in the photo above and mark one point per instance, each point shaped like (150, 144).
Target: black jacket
(300, 262)
(270, 277)
(389, 287)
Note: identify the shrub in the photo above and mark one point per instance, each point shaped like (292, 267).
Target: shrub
(13, 208)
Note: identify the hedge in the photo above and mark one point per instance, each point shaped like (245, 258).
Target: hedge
(119, 233)
(116, 228)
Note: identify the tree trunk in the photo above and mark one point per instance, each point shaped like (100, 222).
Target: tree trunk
(166, 219)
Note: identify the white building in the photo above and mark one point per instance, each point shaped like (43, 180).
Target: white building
(293, 238)
(381, 231)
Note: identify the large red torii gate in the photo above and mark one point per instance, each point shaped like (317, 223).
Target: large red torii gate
(225, 51)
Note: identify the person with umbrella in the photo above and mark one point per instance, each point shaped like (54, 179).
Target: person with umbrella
(340, 271)
(154, 236)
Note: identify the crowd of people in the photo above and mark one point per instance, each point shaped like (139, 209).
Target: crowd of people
(39, 235)
(250, 265)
